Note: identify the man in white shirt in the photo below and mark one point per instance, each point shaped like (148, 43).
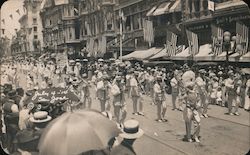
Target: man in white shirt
(175, 91)
(231, 93)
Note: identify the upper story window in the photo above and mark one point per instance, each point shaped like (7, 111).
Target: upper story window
(34, 20)
(35, 29)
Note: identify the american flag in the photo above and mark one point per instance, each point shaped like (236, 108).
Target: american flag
(148, 31)
(171, 43)
(242, 34)
(193, 43)
(217, 36)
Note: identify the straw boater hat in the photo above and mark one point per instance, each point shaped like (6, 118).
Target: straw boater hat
(131, 130)
(40, 117)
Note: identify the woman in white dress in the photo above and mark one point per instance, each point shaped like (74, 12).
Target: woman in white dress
(247, 96)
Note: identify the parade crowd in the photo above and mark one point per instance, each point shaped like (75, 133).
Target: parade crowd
(115, 85)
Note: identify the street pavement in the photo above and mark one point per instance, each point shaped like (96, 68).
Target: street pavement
(220, 134)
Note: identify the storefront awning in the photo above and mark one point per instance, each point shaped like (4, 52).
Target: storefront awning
(205, 53)
(245, 58)
(141, 54)
(176, 6)
(150, 12)
(164, 7)
(160, 54)
(152, 63)
(234, 57)
(229, 4)
(182, 56)
(60, 2)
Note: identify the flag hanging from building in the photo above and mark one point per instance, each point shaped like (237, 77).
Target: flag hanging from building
(148, 31)
(192, 43)
(242, 34)
(87, 28)
(121, 15)
(171, 43)
(217, 36)
(210, 5)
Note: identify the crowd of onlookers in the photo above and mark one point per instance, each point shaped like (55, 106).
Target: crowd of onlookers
(114, 81)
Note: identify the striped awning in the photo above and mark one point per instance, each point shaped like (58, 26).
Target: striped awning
(205, 53)
(160, 54)
(184, 55)
(163, 8)
(229, 4)
(176, 6)
(141, 54)
(234, 57)
(150, 12)
(61, 2)
(245, 58)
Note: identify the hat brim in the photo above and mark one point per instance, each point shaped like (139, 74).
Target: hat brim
(132, 136)
(33, 120)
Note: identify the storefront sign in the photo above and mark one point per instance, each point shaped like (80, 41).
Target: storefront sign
(199, 27)
(229, 19)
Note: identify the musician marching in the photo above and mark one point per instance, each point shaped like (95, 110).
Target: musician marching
(160, 98)
(118, 92)
(136, 94)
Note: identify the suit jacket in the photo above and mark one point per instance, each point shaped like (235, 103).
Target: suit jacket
(123, 149)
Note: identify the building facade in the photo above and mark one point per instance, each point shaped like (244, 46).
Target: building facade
(92, 27)
(97, 26)
(31, 38)
(61, 29)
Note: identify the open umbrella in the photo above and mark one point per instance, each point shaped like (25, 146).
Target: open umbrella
(77, 132)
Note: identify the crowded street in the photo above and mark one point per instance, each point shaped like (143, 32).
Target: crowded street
(219, 132)
(125, 77)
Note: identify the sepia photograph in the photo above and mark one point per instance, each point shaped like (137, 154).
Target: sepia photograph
(125, 77)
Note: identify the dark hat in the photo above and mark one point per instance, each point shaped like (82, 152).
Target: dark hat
(7, 87)
(12, 93)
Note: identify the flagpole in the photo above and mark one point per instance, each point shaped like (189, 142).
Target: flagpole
(120, 34)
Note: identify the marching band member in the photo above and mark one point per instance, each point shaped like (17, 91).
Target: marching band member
(118, 92)
(86, 92)
(103, 87)
(175, 90)
(136, 92)
(231, 93)
(190, 113)
(201, 86)
(160, 99)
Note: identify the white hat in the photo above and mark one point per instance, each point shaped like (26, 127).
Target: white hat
(40, 117)
(131, 130)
